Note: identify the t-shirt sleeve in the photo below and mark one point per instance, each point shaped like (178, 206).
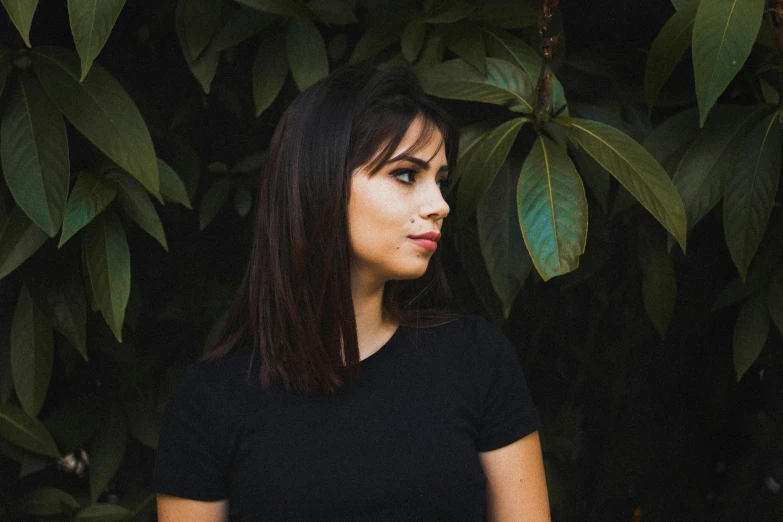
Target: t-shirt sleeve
(507, 410)
(191, 459)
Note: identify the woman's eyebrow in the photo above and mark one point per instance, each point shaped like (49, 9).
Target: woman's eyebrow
(416, 161)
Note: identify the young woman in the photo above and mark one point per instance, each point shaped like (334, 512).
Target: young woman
(340, 389)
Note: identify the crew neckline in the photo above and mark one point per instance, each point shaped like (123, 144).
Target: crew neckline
(378, 354)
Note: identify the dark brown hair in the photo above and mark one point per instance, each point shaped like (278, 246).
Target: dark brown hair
(294, 302)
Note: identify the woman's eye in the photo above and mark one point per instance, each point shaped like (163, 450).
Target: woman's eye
(406, 176)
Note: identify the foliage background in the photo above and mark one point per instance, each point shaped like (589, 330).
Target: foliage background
(127, 188)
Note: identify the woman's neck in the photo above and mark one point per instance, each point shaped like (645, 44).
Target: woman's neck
(373, 330)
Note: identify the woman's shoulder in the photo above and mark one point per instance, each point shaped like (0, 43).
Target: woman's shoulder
(219, 376)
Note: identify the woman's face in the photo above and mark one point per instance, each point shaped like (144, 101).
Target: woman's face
(402, 199)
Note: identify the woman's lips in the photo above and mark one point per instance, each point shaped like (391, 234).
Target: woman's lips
(425, 243)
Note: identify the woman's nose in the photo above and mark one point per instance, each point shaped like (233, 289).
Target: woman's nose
(434, 206)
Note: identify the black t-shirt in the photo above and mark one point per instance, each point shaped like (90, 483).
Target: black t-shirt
(399, 443)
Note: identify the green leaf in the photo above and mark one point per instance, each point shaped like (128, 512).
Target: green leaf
(552, 209)
(672, 134)
(506, 14)
(750, 334)
(243, 201)
(34, 153)
(32, 353)
(373, 41)
(667, 50)
(108, 264)
(46, 502)
(504, 84)
(270, 69)
(723, 35)
(26, 432)
(101, 110)
(431, 54)
(171, 186)
(635, 169)
(145, 423)
(61, 298)
(775, 298)
(412, 39)
(750, 191)
(242, 24)
(306, 52)
(446, 11)
(20, 239)
(465, 40)
(500, 237)
(213, 200)
(89, 196)
(506, 46)
(5, 67)
(469, 249)
(479, 164)
(203, 66)
(337, 12)
(21, 14)
(201, 19)
(292, 8)
(103, 513)
(138, 206)
(659, 283)
(107, 450)
(74, 423)
(702, 173)
(91, 25)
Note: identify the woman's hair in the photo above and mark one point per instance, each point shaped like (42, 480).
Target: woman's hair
(294, 302)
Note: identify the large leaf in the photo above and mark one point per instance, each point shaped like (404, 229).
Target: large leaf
(306, 52)
(466, 41)
(505, 14)
(172, 188)
(21, 14)
(506, 46)
(74, 423)
(469, 251)
(412, 39)
(750, 191)
(201, 19)
(145, 423)
(108, 264)
(635, 169)
(750, 334)
(213, 200)
(107, 450)
(103, 513)
(672, 134)
(91, 25)
(292, 8)
(203, 66)
(775, 298)
(46, 502)
(242, 24)
(723, 35)
(701, 175)
(446, 11)
(552, 209)
(337, 12)
(500, 237)
(504, 84)
(34, 154)
(659, 283)
(270, 69)
(138, 206)
(373, 41)
(5, 67)
(26, 432)
(667, 50)
(89, 196)
(101, 110)
(32, 353)
(60, 295)
(479, 164)
(20, 239)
